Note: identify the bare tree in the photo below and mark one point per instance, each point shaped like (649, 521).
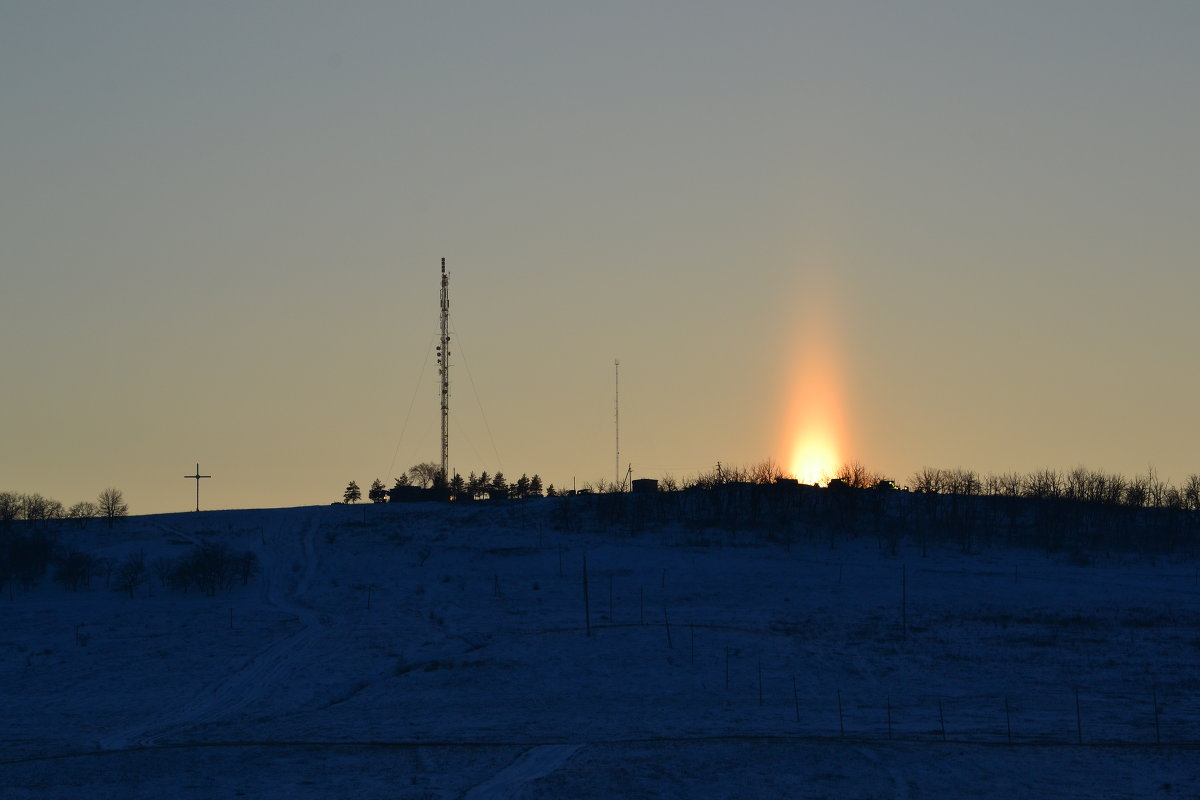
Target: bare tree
(75, 569)
(426, 474)
(961, 481)
(35, 508)
(734, 474)
(130, 574)
(112, 505)
(1011, 483)
(1137, 492)
(247, 565)
(1156, 489)
(163, 568)
(83, 511)
(1173, 499)
(927, 479)
(1191, 493)
(706, 480)
(10, 508)
(1044, 484)
(765, 472)
(855, 475)
(1114, 489)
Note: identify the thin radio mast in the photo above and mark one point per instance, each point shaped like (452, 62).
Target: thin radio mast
(444, 369)
(617, 415)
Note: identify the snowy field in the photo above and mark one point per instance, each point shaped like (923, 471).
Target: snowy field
(430, 651)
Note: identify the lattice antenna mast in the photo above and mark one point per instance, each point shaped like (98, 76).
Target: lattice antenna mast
(617, 416)
(444, 369)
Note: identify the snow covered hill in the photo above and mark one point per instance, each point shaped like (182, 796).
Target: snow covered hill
(451, 650)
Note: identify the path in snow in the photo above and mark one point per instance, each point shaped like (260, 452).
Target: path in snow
(268, 667)
(531, 765)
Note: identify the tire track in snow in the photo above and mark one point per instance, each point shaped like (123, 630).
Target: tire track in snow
(535, 763)
(268, 667)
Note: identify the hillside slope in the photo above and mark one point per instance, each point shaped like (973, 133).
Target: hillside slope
(444, 651)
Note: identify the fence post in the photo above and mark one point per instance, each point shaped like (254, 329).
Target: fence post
(1008, 720)
(587, 608)
(1157, 729)
(1078, 719)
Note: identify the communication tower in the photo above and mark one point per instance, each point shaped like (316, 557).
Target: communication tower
(444, 369)
(617, 416)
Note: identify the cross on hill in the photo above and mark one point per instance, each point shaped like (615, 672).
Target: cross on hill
(197, 478)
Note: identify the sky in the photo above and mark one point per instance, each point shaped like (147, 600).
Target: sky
(908, 234)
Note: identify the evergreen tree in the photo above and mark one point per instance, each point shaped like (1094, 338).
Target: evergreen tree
(485, 483)
(401, 482)
(353, 493)
(550, 492)
(440, 480)
(377, 494)
(457, 485)
(535, 486)
(500, 485)
(521, 489)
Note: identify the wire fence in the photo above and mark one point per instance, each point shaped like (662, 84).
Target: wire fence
(1161, 716)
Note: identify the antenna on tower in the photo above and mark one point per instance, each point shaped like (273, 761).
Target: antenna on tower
(617, 415)
(444, 369)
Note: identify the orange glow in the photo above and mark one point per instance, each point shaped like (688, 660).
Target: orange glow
(815, 426)
(814, 456)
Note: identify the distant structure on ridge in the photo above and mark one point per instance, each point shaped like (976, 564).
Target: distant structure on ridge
(617, 416)
(444, 369)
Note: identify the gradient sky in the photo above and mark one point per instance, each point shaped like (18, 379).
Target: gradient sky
(943, 233)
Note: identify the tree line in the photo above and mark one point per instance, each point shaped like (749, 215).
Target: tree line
(208, 567)
(1081, 484)
(429, 476)
(109, 505)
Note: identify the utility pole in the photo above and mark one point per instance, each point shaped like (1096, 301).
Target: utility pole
(197, 478)
(444, 368)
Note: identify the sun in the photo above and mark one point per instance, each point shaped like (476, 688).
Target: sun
(814, 455)
(815, 430)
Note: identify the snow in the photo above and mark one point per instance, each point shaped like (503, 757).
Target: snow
(437, 651)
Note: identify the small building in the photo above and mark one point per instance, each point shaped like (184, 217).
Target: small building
(645, 485)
